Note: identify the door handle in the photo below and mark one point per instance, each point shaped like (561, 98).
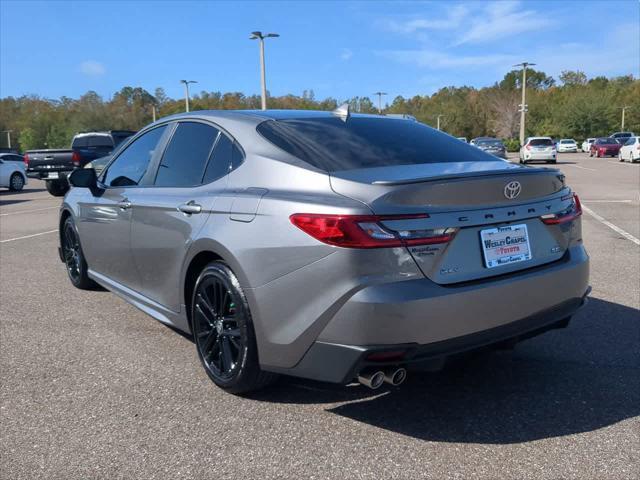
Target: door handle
(124, 204)
(190, 207)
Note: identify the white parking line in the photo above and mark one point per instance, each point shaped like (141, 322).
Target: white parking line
(607, 201)
(27, 211)
(613, 227)
(28, 236)
(622, 163)
(578, 166)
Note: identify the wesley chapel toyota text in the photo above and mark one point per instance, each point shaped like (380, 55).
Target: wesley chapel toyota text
(325, 245)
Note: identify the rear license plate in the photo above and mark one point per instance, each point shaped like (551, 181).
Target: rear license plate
(52, 175)
(505, 245)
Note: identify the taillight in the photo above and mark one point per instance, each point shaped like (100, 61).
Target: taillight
(26, 160)
(571, 213)
(76, 159)
(367, 231)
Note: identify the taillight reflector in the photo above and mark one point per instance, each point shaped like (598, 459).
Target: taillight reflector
(573, 212)
(26, 160)
(366, 231)
(76, 159)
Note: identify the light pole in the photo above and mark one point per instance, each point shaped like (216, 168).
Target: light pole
(8, 132)
(380, 94)
(186, 92)
(523, 106)
(261, 37)
(622, 123)
(438, 121)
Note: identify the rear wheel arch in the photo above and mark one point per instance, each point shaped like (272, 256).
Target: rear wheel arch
(63, 218)
(196, 265)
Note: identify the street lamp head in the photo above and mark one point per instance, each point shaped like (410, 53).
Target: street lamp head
(273, 35)
(255, 35)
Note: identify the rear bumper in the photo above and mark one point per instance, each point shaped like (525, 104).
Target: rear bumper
(429, 321)
(44, 174)
(540, 156)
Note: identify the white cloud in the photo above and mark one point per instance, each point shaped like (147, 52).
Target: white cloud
(346, 54)
(500, 20)
(439, 59)
(92, 68)
(452, 20)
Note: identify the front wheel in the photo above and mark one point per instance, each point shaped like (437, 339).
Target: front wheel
(16, 182)
(223, 331)
(57, 188)
(74, 258)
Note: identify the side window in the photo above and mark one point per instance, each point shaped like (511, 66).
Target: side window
(220, 160)
(185, 159)
(130, 166)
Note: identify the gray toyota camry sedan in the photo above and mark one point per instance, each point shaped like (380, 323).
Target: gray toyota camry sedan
(326, 245)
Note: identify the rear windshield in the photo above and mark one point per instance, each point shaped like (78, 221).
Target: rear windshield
(331, 144)
(540, 142)
(118, 138)
(490, 143)
(606, 141)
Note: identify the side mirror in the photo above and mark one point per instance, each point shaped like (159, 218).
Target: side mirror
(84, 178)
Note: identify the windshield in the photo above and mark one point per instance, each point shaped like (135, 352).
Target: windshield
(331, 144)
(567, 141)
(606, 141)
(541, 142)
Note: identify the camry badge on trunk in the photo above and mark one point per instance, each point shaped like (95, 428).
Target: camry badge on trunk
(512, 190)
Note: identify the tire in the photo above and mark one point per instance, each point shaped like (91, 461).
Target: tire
(57, 188)
(16, 182)
(223, 332)
(74, 260)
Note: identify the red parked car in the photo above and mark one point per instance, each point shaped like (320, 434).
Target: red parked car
(604, 146)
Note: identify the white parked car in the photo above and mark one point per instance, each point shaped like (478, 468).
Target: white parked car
(12, 175)
(536, 149)
(630, 150)
(586, 145)
(567, 145)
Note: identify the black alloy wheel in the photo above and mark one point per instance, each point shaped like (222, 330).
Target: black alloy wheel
(223, 331)
(74, 258)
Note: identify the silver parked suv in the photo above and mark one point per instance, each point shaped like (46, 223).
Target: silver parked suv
(325, 245)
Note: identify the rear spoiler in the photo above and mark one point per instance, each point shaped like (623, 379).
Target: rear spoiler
(489, 173)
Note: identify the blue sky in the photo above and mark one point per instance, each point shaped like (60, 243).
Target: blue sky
(338, 49)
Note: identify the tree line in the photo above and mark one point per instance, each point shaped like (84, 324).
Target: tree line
(573, 106)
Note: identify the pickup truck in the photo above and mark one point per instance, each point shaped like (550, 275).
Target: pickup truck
(54, 165)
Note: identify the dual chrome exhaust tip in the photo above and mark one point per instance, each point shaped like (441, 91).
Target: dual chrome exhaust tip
(375, 378)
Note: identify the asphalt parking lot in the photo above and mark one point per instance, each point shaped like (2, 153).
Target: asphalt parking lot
(93, 388)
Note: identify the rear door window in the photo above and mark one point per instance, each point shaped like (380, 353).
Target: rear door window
(185, 159)
(225, 157)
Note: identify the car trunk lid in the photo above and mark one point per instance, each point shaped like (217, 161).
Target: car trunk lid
(473, 200)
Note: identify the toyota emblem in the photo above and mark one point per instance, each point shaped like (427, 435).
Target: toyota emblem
(512, 190)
